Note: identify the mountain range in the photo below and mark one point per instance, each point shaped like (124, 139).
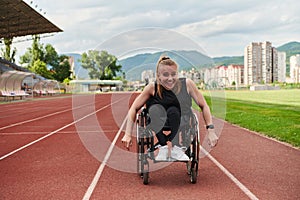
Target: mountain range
(133, 66)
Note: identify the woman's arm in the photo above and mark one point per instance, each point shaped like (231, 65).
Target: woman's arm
(137, 104)
(201, 102)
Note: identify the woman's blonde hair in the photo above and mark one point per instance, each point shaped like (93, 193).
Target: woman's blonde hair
(162, 61)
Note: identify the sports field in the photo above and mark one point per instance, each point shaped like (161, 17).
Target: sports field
(274, 113)
(70, 148)
(280, 97)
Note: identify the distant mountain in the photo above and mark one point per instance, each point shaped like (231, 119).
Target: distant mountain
(135, 65)
(229, 60)
(291, 48)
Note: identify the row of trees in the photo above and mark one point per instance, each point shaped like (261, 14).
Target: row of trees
(45, 61)
(100, 65)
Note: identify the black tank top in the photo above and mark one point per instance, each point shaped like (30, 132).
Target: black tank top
(182, 100)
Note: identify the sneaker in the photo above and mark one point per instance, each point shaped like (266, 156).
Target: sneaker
(178, 154)
(162, 153)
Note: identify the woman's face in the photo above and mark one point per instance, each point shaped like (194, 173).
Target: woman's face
(168, 76)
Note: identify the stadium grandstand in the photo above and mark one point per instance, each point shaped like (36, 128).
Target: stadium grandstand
(20, 19)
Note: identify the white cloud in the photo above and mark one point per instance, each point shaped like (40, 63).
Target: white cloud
(222, 28)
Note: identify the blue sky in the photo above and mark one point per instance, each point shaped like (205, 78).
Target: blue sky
(218, 27)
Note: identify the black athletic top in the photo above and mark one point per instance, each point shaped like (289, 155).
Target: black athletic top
(182, 100)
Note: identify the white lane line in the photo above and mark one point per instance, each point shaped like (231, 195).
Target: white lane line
(62, 132)
(31, 120)
(235, 180)
(53, 132)
(35, 141)
(97, 176)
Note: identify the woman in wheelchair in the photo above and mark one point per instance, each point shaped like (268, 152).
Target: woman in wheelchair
(167, 100)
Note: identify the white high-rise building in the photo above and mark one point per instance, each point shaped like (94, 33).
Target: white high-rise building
(295, 68)
(266, 62)
(260, 63)
(281, 66)
(252, 64)
(148, 76)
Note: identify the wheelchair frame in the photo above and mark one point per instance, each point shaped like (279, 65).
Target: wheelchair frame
(145, 146)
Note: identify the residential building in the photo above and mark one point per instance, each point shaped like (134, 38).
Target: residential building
(274, 66)
(295, 68)
(266, 62)
(191, 74)
(222, 75)
(261, 63)
(148, 76)
(252, 63)
(236, 75)
(281, 66)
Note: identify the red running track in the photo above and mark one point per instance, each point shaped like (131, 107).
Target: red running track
(63, 148)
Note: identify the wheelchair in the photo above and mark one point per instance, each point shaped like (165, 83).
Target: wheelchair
(190, 139)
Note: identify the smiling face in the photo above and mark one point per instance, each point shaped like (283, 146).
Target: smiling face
(168, 76)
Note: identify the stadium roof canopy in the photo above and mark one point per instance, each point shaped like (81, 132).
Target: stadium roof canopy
(18, 19)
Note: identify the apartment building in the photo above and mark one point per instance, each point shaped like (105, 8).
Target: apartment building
(295, 68)
(236, 75)
(263, 64)
(252, 63)
(281, 66)
(148, 76)
(223, 76)
(192, 74)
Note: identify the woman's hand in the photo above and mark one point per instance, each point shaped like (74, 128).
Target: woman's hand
(212, 137)
(127, 141)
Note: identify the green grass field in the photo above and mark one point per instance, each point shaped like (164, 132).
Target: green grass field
(275, 113)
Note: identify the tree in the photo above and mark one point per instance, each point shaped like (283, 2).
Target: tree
(51, 57)
(61, 70)
(100, 65)
(33, 54)
(57, 66)
(39, 67)
(6, 52)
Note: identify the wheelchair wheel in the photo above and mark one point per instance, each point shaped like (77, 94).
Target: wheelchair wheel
(145, 170)
(142, 162)
(194, 175)
(140, 151)
(192, 166)
(146, 178)
(192, 170)
(138, 146)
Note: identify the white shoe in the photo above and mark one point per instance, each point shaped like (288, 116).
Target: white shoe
(178, 154)
(162, 153)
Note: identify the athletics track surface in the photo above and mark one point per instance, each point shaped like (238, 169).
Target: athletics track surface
(51, 149)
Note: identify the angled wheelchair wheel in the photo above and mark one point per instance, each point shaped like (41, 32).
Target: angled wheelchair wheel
(144, 164)
(139, 159)
(142, 144)
(194, 175)
(193, 165)
(139, 131)
(145, 170)
(146, 178)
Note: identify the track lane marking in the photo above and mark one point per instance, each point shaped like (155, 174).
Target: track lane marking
(97, 176)
(53, 132)
(230, 176)
(31, 120)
